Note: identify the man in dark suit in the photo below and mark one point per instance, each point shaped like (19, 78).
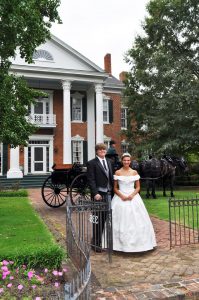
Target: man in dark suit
(100, 179)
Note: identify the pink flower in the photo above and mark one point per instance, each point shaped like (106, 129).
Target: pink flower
(1, 290)
(55, 273)
(34, 286)
(65, 270)
(56, 284)
(24, 266)
(39, 278)
(9, 285)
(20, 287)
(4, 268)
(37, 298)
(60, 273)
(30, 275)
(46, 270)
(5, 262)
(11, 277)
(11, 262)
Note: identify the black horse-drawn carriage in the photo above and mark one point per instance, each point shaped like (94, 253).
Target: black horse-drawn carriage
(65, 180)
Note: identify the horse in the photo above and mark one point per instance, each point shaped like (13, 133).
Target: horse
(165, 168)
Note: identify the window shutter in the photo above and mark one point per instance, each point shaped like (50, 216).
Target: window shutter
(84, 109)
(85, 152)
(5, 159)
(110, 103)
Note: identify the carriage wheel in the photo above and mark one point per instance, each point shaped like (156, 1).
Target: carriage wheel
(79, 188)
(54, 194)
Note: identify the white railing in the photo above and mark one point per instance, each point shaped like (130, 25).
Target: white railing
(43, 120)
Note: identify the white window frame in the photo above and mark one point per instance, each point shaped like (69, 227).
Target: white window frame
(79, 140)
(77, 96)
(44, 100)
(1, 157)
(124, 144)
(107, 141)
(50, 139)
(124, 118)
(106, 100)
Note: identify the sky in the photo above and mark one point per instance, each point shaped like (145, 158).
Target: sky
(95, 28)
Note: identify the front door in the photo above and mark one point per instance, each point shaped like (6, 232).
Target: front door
(38, 162)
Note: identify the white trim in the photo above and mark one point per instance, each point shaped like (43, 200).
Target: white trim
(77, 96)
(77, 137)
(106, 99)
(125, 119)
(78, 140)
(36, 137)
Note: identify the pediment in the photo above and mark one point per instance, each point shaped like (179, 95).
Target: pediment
(55, 54)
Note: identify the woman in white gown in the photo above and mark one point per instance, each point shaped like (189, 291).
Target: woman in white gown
(132, 227)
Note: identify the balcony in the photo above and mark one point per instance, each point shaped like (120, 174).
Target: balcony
(42, 120)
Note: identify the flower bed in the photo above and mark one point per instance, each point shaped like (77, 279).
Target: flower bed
(28, 284)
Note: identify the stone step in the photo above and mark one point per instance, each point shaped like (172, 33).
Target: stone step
(27, 181)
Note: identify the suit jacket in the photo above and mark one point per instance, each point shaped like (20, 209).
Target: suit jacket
(97, 176)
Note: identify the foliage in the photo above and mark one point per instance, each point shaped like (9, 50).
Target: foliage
(162, 88)
(9, 193)
(24, 26)
(24, 237)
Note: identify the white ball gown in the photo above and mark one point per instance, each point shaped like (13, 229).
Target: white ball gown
(132, 227)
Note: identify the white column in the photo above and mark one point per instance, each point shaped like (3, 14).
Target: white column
(14, 171)
(99, 114)
(67, 158)
(91, 123)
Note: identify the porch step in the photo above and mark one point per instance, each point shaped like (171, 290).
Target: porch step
(28, 181)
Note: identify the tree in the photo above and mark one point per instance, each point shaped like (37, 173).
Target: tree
(25, 24)
(162, 88)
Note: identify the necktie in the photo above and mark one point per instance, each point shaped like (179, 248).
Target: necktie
(104, 165)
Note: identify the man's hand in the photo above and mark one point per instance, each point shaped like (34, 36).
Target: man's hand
(98, 197)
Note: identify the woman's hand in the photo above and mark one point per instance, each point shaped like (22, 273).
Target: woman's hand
(124, 197)
(130, 197)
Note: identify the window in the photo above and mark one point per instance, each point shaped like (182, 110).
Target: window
(107, 141)
(105, 111)
(42, 55)
(124, 147)
(77, 151)
(76, 107)
(124, 117)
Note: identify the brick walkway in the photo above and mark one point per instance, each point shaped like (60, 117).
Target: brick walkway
(159, 274)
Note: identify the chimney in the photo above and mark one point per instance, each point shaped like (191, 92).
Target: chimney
(122, 76)
(107, 63)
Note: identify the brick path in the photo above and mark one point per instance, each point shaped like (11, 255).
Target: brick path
(159, 274)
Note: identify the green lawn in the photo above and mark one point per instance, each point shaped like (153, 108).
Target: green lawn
(24, 238)
(159, 207)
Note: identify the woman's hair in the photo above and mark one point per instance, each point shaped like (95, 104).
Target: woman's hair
(125, 155)
(100, 146)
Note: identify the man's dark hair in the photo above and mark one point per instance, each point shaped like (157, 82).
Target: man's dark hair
(112, 142)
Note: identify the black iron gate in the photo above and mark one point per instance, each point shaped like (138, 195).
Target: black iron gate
(89, 228)
(183, 221)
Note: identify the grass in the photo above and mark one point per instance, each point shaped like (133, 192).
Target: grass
(24, 238)
(159, 207)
